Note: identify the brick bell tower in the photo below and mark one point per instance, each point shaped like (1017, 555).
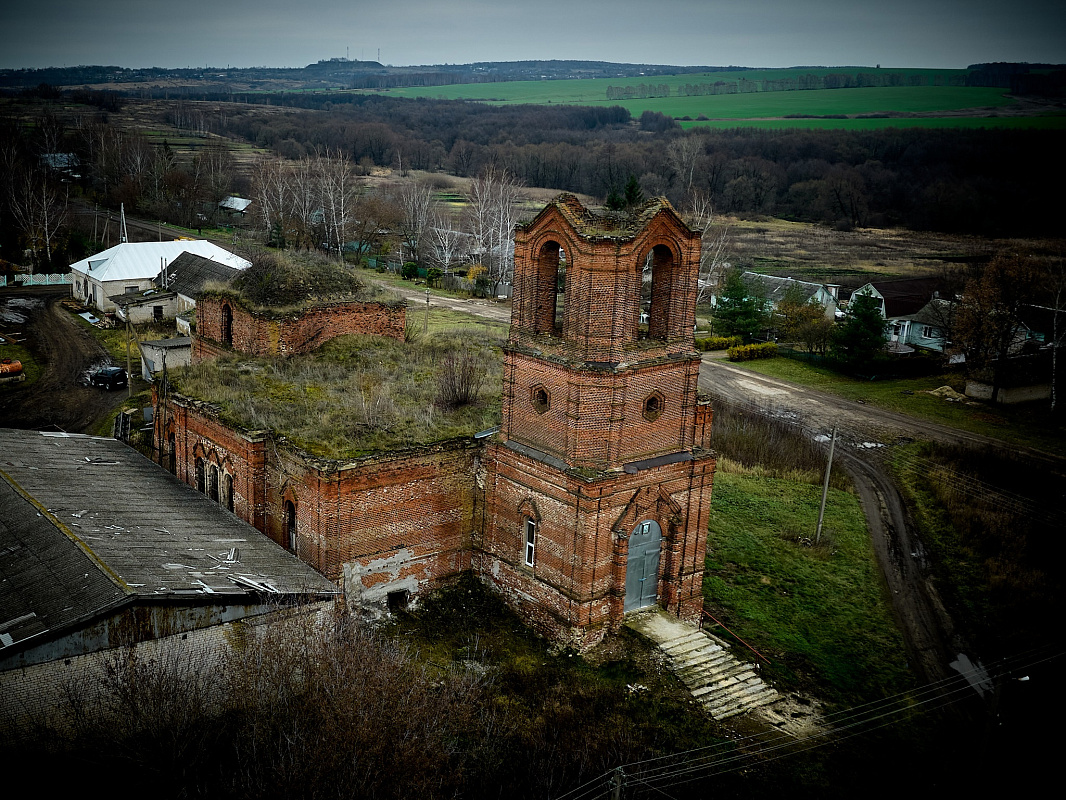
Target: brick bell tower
(599, 483)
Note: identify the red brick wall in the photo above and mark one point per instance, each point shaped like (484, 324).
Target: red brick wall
(404, 520)
(293, 334)
(596, 418)
(399, 521)
(576, 589)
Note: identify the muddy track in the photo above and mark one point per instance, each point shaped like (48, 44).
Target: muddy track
(66, 352)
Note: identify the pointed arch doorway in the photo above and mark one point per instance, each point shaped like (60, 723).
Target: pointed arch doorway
(642, 567)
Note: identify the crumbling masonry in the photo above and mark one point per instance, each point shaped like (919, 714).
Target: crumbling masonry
(592, 499)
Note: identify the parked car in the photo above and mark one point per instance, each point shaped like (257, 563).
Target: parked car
(109, 378)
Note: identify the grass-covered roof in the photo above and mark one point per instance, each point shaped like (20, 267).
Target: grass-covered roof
(286, 282)
(358, 394)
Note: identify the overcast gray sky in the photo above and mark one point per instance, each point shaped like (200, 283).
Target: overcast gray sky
(763, 33)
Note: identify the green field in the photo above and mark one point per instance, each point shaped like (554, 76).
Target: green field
(767, 109)
(817, 611)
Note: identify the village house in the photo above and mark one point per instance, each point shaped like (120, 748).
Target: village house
(130, 268)
(590, 501)
(899, 301)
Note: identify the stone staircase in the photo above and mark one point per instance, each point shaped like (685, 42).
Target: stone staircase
(724, 685)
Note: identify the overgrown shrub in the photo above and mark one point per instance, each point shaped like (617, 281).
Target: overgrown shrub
(460, 379)
(357, 394)
(277, 281)
(719, 342)
(750, 352)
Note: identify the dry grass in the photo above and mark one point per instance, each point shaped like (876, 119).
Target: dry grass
(764, 447)
(280, 283)
(356, 395)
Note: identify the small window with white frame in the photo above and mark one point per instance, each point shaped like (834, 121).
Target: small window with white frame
(929, 332)
(531, 541)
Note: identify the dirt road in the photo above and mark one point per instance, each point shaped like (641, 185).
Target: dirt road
(66, 353)
(865, 434)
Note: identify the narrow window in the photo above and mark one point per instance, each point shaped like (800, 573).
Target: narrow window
(653, 407)
(227, 490)
(541, 399)
(212, 483)
(172, 447)
(201, 477)
(531, 541)
(290, 524)
(227, 325)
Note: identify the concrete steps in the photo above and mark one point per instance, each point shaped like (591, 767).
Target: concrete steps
(722, 683)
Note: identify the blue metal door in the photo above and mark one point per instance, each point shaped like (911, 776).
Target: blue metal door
(642, 568)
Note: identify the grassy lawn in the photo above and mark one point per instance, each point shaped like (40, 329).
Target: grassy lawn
(30, 368)
(816, 610)
(1029, 424)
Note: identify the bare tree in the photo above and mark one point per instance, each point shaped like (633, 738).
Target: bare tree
(491, 215)
(450, 244)
(714, 247)
(39, 206)
(416, 218)
(338, 189)
(683, 154)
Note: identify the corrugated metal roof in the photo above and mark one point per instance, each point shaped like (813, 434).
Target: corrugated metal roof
(188, 273)
(141, 260)
(144, 530)
(234, 203)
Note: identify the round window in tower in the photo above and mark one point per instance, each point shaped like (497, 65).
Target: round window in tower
(653, 406)
(541, 399)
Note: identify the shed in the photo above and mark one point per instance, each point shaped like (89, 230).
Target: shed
(100, 548)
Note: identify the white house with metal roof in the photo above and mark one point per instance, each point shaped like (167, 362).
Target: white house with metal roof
(131, 267)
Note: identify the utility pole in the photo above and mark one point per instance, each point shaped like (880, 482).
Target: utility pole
(825, 485)
(129, 375)
(425, 320)
(617, 782)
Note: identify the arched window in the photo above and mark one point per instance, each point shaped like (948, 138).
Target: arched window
(201, 476)
(653, 406)
(290, 525)
(657, 288)
(227, 325)
(549, 297)
(212, 483)
(227, 490)
(172, 454)
(530, 541)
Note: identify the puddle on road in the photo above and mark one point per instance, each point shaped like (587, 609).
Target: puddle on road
(12, 310)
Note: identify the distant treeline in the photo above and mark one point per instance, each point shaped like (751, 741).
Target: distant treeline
(994, 182)
(836, 80)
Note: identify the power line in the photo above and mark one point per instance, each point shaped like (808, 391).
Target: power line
(694, 764)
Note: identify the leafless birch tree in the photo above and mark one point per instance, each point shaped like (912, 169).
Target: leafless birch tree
(492, 213)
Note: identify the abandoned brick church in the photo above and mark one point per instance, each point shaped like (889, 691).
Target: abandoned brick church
(589, 502)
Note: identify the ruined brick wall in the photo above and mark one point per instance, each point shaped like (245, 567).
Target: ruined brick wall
(602, 425)
(392, 523)
(187, 430)
(575, 590)
(222, 325)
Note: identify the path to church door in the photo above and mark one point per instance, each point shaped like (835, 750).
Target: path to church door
(642, 569)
